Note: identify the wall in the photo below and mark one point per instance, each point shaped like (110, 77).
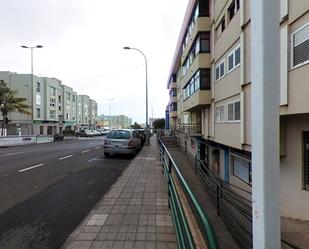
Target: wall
(294, 200)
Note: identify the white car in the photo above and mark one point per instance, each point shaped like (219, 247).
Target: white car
(122, 141)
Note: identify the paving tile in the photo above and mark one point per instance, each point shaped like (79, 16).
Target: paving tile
(96, 245)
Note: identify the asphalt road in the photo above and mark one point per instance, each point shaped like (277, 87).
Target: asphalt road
(46, 190)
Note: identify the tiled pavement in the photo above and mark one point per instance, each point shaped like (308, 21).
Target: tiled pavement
(134, 214)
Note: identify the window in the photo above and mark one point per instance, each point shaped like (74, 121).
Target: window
(233, 59)
(200, 80)
(204, 41)
(52, 113)
(234, 7)
(38, 87)
(173, 92)
(204, 8)
(38, 99)
(300, 46)
(41, 130)
(73, 98)
(220, 113)
(59, 108)
(205, 79)
(306, 159)
(59, 99)
(220, 70)
(52, 91)
(52, 102)
(241, 168)
(38, 112)
(173, 107)
(68, 96)
(233, 110)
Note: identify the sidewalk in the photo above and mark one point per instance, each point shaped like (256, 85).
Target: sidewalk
(134, 214)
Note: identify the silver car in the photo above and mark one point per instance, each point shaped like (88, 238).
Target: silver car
(122, 141)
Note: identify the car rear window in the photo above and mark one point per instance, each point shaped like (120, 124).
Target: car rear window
(119, 135)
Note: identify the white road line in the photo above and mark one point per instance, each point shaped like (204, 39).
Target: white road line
(98, 147)
(32, 167)
(65, 157)
(93, 159)
(11, 154)
(85, 151)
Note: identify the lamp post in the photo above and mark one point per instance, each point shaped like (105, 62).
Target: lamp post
(147, 128)
(109, 113)
(31, 84)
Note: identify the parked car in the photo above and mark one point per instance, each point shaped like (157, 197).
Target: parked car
(122, 141)
(84, 133)
(103, 131)
(96, 133)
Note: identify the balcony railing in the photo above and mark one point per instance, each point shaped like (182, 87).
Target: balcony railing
(189, 129)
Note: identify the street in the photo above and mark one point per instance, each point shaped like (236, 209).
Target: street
(47, 189)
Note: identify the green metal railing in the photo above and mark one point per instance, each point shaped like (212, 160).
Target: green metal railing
(183, 232)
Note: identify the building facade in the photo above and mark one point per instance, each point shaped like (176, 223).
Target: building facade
(55, 106)
(211, 72)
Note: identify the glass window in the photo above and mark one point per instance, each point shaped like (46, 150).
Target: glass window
(38, 99)
(222, 69)
(217, 72)
(237, 110)
(52, 91)
(118, 134)
(237, 56)
(205, 42)
(241, 168)
(38, 87)
(306, 159)
(230, 110)
(205, 79)
(38, 112)
(231, 61)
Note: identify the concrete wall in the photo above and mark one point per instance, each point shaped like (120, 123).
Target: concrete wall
(294, 199)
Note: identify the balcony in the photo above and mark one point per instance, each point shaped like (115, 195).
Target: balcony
(192, 129)
(197, 100)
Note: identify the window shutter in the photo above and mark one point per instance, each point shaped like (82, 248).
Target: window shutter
(301, 46)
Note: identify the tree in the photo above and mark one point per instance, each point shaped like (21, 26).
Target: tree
(136, 126)
(159, 123)
(9, 102)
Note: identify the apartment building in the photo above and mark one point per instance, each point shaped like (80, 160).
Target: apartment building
(115, 121)
(55, 106)
(93, 111)
(211, 72)
(85, 100)
(69, 101)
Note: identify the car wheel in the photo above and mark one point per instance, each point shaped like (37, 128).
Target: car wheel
(107, 154)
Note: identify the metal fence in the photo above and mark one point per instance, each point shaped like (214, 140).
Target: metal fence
(233, 204)
(183, 232)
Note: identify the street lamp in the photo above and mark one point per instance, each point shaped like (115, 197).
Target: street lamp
(109, 112)
(31, 88)
(147, 128)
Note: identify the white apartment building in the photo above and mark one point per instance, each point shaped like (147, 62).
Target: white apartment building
(55, 106)
(211, 78)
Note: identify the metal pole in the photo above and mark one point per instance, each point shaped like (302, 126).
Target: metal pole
(109, 112)
(31, 91)
(265, 123)
(147, 126)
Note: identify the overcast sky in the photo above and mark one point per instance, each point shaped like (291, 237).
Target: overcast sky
(83, 46)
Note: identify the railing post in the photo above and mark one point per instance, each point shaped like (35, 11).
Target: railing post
(218, 200)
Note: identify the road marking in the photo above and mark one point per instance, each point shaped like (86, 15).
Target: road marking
(65, 157)
(93, 159)
(98, 147)
(32, 167)
(85, 151)
(11, 154)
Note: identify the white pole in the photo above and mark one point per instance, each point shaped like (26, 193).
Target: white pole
(265, 123)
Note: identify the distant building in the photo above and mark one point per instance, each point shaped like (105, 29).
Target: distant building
(55, 106)
(116, 121)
